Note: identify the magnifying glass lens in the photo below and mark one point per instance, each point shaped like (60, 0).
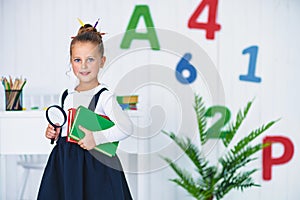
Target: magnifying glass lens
(56, 116)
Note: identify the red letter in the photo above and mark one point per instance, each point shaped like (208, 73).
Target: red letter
(268, 160)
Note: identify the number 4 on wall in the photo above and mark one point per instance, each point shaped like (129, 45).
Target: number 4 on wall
(210, 26)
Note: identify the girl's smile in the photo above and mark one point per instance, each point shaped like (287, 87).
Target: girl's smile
(84, 73)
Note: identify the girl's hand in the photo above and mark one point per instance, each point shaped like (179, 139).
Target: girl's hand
(51, 133)
(88, 142)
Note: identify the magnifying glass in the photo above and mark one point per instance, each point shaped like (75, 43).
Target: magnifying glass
(56, 116)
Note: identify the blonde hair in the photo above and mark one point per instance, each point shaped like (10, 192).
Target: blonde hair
(88, 33)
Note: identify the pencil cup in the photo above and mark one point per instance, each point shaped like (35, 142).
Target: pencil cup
(13, 100)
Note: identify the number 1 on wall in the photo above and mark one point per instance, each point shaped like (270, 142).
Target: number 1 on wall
(253, 50)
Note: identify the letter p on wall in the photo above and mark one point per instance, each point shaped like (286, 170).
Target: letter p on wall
(269, 161)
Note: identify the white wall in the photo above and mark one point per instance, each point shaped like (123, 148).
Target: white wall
(34, 42)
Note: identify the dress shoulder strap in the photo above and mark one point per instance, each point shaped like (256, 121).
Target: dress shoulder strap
(63, 97)
(95, 99)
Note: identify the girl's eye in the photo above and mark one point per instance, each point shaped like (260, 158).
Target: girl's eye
(77, 60)
(90, 59)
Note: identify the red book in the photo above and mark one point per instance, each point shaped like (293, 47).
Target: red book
(71, 115)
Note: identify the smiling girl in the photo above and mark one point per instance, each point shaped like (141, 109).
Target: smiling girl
(76, 171)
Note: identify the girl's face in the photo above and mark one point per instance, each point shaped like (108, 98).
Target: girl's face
(86, 62)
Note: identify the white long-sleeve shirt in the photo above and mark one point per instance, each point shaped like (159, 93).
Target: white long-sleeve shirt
(106, 105)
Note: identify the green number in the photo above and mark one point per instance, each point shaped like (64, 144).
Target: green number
(215, 130)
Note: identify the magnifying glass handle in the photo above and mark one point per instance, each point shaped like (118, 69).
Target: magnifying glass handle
(52, 140)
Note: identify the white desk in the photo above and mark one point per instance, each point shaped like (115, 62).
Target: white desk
(23, 132)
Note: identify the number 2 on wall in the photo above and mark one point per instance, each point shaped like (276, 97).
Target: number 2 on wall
(215, 130)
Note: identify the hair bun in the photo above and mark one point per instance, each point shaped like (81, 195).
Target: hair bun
(88, 33)
(87, 28)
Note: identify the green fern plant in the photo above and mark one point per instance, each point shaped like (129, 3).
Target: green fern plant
(215, 181)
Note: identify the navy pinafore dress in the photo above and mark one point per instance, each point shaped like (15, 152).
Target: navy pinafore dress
(73, 173)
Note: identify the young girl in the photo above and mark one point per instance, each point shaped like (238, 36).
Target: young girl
(75, 171)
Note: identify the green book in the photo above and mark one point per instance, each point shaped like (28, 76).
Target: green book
(93, 122)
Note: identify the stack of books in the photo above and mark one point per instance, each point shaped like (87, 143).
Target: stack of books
(88, 119)
(128, 102)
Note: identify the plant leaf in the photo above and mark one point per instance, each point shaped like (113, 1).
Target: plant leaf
(191, 151)
(231, 131)
(185, 179)
(231, 162)
(239, 181)
(254, 134)
(201, 119)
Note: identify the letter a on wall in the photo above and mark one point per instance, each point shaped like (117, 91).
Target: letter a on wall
(132, 34)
